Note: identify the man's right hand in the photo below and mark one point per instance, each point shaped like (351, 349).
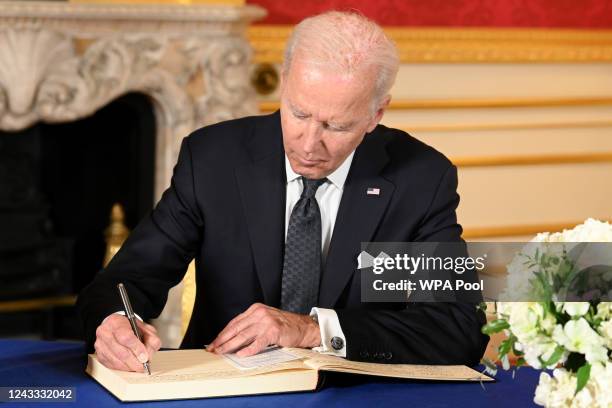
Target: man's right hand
(118, 347)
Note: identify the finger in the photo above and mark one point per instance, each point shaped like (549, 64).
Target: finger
(107, 358)
(242, 339)
(112, 362)
(237, 324)
(228, 333)
(100, 353)
(107, 347)
(255, 347)
(126, 338)
(122, 353)
(116, 328)
(117, 364)
(255, 307)
(151, 340)
(152, 343)
(149, 328)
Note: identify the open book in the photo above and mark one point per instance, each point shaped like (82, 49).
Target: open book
(181, 374)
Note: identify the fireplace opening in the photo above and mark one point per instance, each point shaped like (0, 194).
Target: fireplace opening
(58, 183)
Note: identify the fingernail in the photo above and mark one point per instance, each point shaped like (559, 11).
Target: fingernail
(142, 357)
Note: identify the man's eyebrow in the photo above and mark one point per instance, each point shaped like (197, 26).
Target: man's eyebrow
(296, 109)
(335, 125)
(339, 125)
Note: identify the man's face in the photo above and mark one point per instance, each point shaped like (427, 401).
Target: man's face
(324, 117)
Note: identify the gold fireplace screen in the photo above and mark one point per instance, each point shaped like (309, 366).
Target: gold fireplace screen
(117, 233)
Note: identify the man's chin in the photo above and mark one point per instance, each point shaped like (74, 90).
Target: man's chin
(311, 173)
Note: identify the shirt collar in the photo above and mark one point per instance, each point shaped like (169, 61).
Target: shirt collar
(337, 178)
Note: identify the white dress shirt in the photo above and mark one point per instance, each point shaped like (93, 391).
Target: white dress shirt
(328, 197)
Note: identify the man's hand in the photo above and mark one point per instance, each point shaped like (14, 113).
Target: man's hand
(261, 326)
(118, 347)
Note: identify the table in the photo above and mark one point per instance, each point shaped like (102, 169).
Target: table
(44, 363)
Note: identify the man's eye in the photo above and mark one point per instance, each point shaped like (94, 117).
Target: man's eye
(334, 128)
(300, 115)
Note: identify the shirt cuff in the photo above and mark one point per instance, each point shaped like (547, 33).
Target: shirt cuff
(122, 313)
(333, 341)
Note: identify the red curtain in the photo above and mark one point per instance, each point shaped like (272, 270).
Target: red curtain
(454, 13)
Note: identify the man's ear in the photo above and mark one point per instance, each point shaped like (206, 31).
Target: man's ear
(380, 111)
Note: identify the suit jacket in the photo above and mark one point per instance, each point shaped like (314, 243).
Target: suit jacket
(225, 207)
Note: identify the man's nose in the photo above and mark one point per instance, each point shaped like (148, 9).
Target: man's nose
(312, 137)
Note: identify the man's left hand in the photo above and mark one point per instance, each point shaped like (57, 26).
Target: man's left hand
(260, 326)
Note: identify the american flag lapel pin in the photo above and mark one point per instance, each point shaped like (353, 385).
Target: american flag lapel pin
(373, 191)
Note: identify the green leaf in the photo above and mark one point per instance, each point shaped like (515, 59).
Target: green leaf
(516, 352)
(505, 347)
(490, 366)
(482, 306)
(495, 326)
(582, 376)
(555, 356)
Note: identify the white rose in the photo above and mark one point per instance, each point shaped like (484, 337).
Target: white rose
(584, 399)
(604, 310)
(605, 329)
(591, 231)
(560, 389)
(596, 393)
(596, 353)
(543, 390)
(559, 306)
(542, 237)
(525, 321)
(565, 387)
(579, 336)
(600, 380)
(504, 309)
(559, 335)
(531, 356)
(548, 348)
(541, 347)
(576, 308)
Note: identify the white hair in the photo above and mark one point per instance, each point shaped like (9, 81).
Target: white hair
(346, 42)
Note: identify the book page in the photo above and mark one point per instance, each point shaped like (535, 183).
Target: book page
(413, 371)
(181, 374)
(187, 365)
(268, 357)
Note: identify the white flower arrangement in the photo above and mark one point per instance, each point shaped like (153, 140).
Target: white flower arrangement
(573, 338)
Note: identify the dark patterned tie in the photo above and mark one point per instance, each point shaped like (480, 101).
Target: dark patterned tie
(302, 264)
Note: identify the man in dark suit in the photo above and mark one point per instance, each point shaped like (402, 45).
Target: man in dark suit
(274, 209)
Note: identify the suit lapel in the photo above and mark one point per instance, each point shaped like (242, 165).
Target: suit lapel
(358, 216)
(262, 185)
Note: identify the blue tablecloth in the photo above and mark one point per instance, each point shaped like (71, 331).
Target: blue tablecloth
(39, 363)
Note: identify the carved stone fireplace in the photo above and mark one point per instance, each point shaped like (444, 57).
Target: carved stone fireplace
(60, 62)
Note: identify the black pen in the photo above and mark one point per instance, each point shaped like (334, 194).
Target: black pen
(129, 313)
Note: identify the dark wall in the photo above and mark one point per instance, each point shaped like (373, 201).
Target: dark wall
(58, 183)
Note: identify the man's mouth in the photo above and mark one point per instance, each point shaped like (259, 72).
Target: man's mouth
(306, 162)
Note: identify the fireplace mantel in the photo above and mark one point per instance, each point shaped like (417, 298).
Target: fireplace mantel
(62, 61)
